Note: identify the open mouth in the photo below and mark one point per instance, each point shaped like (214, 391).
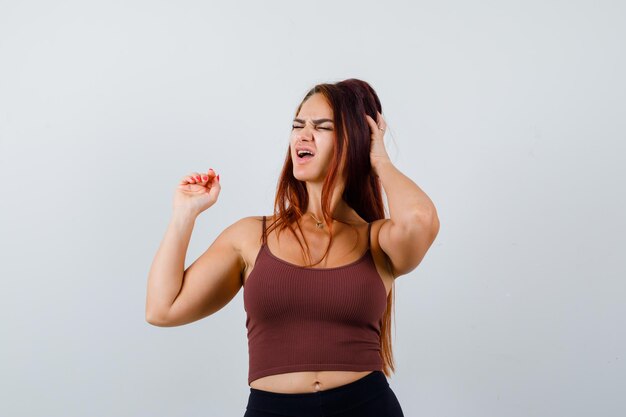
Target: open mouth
(304, 155)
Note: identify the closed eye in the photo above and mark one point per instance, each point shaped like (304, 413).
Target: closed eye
(323, 128)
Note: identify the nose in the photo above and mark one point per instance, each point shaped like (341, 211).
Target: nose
(305, 132)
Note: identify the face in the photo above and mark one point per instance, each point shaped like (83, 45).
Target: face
(313, 128)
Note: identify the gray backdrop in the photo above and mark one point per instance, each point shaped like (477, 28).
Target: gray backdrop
(510, 115)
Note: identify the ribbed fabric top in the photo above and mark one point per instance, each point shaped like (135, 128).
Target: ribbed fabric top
(313, 319)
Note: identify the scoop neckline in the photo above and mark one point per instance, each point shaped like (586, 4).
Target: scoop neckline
(308, 268)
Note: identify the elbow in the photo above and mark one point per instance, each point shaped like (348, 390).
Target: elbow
(151, 320)
(434, 226)
(429, 220)
(419, 220)
(423, 223)
(156, 319)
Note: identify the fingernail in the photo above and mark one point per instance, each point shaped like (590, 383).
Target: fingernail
(218, 177)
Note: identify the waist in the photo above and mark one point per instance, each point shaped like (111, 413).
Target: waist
(306, 381)
(332, 399)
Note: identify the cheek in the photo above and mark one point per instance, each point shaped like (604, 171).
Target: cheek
(328, 155)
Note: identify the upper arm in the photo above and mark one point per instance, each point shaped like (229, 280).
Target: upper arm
(405, 246)
(211, 281)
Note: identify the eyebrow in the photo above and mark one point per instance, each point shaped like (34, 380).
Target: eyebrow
(315, 121)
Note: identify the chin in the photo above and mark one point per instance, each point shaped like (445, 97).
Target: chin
(302, 177)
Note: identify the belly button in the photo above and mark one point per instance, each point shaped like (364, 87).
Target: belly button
(317, 386)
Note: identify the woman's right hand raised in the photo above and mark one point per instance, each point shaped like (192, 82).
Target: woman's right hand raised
(197, 192)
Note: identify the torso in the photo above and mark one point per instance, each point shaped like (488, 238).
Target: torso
(344, 250)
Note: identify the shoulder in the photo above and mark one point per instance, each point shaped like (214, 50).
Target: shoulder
(246, 224)
(247, 229)
(246, 234)
(255, 221)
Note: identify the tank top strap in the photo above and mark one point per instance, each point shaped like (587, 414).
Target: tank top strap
(264, 238)
(369, 227)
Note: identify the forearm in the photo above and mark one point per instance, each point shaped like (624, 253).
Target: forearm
(168, 267)
(406, 200)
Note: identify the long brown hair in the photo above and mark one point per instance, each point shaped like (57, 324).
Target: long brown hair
(350, 100)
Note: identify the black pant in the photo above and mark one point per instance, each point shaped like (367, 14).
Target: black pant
(365, 397)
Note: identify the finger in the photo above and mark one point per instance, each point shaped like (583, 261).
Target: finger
(208, 177)
(381, 121)
(203, 178)
(187, 180)
(196, 178)
(372, 124)
(375, 127)
(215, 188)
(193, 177)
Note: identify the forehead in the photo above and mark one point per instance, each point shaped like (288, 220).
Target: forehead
(316, 107)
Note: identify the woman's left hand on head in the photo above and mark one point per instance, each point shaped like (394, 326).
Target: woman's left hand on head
(378, 153)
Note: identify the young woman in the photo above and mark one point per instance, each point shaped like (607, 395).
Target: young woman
(318, 274)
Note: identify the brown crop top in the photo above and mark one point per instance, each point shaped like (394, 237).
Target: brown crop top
(313, 319)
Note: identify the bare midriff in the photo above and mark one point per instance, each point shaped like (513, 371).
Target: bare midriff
(308, 381)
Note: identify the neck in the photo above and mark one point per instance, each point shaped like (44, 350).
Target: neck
(338, 207)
